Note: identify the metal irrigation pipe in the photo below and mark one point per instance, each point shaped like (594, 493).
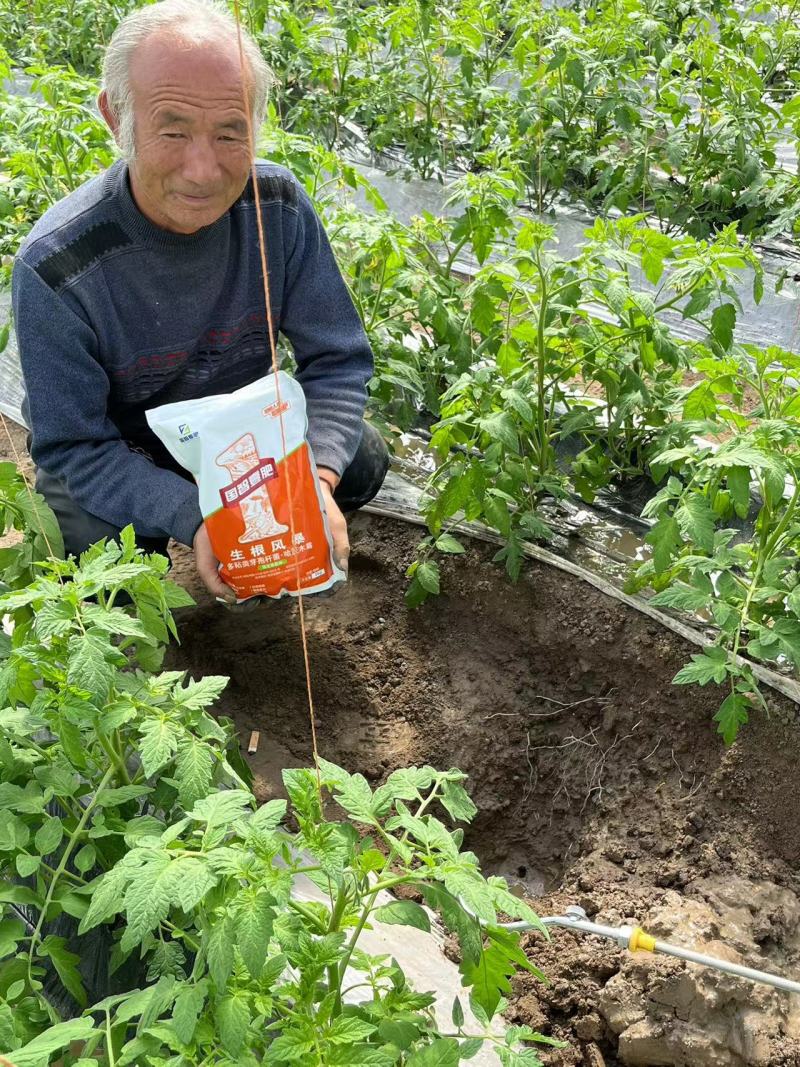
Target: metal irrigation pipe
(635, 938)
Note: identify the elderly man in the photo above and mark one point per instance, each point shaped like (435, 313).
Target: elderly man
(144, 287)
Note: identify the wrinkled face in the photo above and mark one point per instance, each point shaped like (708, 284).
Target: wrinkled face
(191, 159)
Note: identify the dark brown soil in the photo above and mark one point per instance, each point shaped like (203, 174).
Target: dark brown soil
(598, 782)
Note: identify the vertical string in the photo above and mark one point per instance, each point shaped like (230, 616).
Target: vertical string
(246, 83)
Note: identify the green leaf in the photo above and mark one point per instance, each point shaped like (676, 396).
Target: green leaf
(665, 537)
(198, 695)
(158, 743)
(500, 427)
(147, 899)
(427, 574)
(464, 926)
(682, 597)
(84, 859)
(219, 952)
(489, 978)
(447, 543)
(711, 665)
(252, 924)
(188, 1005)
(442, 1052)
(739, 486)
(696, 520)
(723, 321)
(48, 836)
(483, 311)
(354, 795)
(111, 798)
(348, 1029)
(27, 865)
(194, 770)
(56, 1039)
(222, 807)
(404, 913)
(189, 879)
(107, 898)
(733, 713)
(66, 965)
(88, 668)
(233, 1017)
(457, 802)
(457, 1014)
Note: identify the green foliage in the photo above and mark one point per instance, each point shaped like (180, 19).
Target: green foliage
(121, 805)
(703, 561)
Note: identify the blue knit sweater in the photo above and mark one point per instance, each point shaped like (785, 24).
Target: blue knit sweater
(115, 315)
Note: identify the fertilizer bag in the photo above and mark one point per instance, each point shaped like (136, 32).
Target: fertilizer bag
(232, 444)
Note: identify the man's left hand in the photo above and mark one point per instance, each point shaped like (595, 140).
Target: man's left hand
(336, 521)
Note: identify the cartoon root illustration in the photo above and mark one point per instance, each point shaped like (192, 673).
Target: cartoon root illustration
(259, 518)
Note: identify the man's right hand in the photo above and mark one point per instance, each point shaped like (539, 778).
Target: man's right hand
(208, 567)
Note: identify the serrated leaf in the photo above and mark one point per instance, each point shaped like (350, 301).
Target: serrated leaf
(222, 807)
(110, 798)
(348, 1029)
(186, 1011)
(696, 520)
(107, 898)
(733, 713)
(403, 913)
(233, 1018)
(88, 668)
(355, 797)
(442, 1052)
(158, 743)
(681, 597)
(190, 878)
(447, 543)
(500, 427)
(464, 926)
(723, 321)
(194, 771)
(711, 665)
(427, 574)
(219, 952)
(665, 537)
(198, 695)
(252, 924)
(56, 1038)
(66, 965)
(147, 899)
(457, 802)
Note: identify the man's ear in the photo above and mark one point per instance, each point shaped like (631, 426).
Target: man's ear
(105, 110)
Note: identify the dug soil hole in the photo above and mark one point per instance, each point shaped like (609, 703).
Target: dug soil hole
(598, 782)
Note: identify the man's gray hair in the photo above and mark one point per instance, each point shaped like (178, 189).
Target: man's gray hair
(192, 21)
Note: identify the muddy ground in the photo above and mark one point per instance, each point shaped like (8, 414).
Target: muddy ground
(597, 781)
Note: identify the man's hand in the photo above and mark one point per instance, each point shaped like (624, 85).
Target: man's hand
(336, 520)
(208, 567)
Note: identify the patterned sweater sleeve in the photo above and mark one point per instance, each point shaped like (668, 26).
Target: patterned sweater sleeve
(334, 359)
(73, 438)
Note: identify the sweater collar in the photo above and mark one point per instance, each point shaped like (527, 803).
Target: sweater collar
(118, 184)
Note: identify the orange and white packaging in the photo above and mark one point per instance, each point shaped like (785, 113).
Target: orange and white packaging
(244, 468)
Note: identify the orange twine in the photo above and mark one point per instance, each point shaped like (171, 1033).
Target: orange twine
(274, 355)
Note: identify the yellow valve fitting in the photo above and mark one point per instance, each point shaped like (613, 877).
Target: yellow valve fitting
(640, 940)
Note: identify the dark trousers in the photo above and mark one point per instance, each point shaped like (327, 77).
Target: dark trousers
(360, 483)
